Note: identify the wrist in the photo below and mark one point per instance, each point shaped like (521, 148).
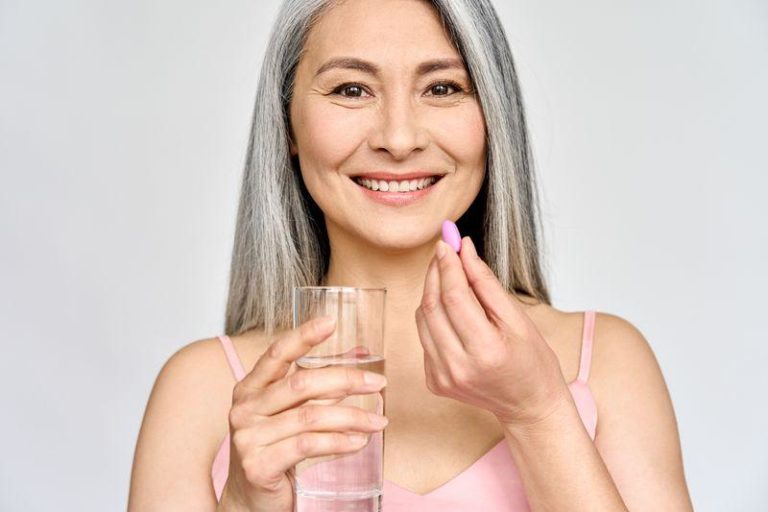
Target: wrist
(551, 416)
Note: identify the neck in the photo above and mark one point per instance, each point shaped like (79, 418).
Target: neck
(401, 270)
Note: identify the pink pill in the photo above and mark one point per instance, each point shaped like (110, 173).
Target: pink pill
(451, 235)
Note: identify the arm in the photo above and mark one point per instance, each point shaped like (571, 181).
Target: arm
(172, 462)
(635, 462)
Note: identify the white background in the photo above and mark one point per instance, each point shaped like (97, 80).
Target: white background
(123, 129)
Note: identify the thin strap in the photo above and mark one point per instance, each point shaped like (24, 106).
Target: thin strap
(586, 345)
(234, 361)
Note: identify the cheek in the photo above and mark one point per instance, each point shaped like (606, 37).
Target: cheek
(462, 132)
(330, 135)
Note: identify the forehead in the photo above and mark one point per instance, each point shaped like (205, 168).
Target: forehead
(400, 32)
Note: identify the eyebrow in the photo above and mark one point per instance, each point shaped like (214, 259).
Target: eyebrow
(424, 68)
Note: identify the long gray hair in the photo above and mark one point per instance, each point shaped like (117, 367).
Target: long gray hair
(281, 240)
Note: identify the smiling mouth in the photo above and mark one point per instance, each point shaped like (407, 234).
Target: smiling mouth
(402, 186)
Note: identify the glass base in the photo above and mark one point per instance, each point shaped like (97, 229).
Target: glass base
(338, 504)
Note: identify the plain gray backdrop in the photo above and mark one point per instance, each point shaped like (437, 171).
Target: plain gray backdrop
(123, 129)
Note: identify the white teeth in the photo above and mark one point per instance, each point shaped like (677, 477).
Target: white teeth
(396, 186)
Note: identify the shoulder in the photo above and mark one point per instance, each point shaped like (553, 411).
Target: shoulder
(186, 418)
(195, 373)
(185, 411)
(615, 340)
(192, 387)
(198, 373)
(637, 434)
(621, 355)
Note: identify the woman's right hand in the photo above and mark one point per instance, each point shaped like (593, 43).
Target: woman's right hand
(272, 429)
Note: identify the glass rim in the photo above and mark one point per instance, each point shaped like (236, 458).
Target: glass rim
(339, 288)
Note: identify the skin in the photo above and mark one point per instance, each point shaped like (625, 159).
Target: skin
(394, 122)
(445, 408)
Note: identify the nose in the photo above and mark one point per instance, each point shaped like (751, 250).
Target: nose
(399, 130)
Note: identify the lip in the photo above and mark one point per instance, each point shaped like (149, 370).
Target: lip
(396, 198)
(388, 176)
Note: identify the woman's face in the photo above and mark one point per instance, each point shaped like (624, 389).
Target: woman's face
(400, 119)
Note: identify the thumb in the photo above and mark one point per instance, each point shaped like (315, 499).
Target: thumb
(495, 299)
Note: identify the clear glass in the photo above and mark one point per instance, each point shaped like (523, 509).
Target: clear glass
(350, 482)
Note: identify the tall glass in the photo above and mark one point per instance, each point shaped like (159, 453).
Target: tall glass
(351, 482)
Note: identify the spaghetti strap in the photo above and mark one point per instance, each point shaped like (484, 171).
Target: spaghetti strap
(232, 359)
(586, 346)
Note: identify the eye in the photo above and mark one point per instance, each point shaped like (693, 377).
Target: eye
(353, 87)
(443, 86)
(356, 90)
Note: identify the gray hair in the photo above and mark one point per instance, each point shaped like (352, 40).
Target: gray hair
(280, 237)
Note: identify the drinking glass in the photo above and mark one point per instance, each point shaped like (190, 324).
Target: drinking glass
(351, 481)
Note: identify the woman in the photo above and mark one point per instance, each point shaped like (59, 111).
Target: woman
(489, 402)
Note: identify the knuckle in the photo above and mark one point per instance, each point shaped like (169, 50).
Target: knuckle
(442, 383)
(275, 350)
(238, 393)
(298, 381)
(353, 379)
(237, 417)
(460, 378)
(452, 297)
(305, 443)
(271, 482)
(240, 441)
(255, 473)
(437, 384)
(308, 414)
(430, 305)
(250, 470)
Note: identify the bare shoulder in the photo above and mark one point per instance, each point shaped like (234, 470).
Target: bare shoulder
(637, 434)
(622, 362)
(185, 419)
(563, 332)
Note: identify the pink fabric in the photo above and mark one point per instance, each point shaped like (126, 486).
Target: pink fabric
(491, 483)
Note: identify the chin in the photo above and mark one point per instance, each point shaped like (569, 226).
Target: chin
(398, 241)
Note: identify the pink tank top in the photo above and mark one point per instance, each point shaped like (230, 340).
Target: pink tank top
(491, 483)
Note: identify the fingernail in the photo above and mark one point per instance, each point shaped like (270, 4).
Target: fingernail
(451, 235)
(440, 250)
(374, 379)
(471, 247)
(377, 420)
(357, 438)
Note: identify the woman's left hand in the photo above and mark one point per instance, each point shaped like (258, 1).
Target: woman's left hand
(480, 347)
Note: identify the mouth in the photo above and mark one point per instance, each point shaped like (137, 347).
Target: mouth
(397, 186)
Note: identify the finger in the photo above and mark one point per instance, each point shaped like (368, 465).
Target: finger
(494, 298)
(464, 311)
(319, 383)
(279, 457)
(430, 350)
(275, 362)
(316, 418)
(446, 340)
(431, 354)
